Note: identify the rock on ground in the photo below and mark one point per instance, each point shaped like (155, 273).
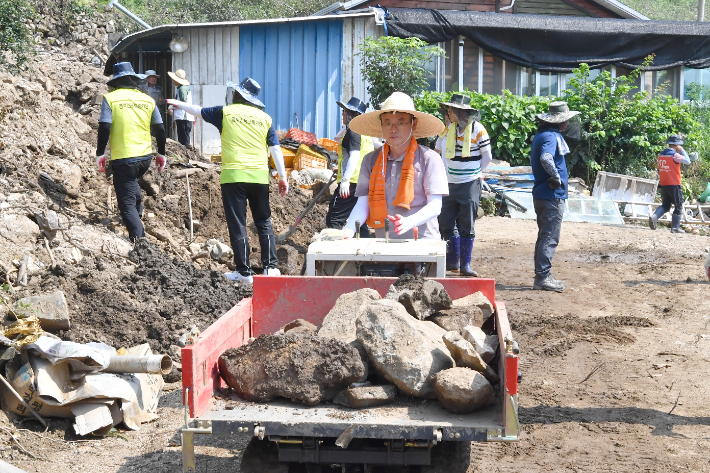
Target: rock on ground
(50, 309)
(420, 297)
(457, 318)
(485, 345)
(299, 326)
(400, 349)
(479, 300)
(462, 390)
(340, 321)
(303, 368)
(466, 356)
(366, 396)
(287, 257)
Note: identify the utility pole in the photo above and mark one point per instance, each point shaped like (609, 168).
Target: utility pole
(701, 10)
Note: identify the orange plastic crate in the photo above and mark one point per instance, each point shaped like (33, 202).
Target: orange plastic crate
(330, 145)
(289, 156)
(307, 158)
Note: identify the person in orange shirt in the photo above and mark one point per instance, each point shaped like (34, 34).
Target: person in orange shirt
(669, 161)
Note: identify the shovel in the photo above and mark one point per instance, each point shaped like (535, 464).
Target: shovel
(283, 236)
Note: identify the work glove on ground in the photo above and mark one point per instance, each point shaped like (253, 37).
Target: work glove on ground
(401, 224)
(283, 187)
(101, 162)
(554, 182)
(344, 189)
(160, 162)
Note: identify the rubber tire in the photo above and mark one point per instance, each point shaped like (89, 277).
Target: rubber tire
(262, 456)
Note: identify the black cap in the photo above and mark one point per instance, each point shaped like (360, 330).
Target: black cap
(674, 140)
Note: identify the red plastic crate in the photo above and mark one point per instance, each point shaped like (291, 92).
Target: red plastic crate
(302, 136)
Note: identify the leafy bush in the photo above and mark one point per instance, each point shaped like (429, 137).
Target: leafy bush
(392, 64)
(509, 119)
(15, 37)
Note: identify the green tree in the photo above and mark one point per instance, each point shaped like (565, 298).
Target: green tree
(15, 37)
(392, 64)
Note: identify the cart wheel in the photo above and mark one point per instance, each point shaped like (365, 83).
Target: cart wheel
(449, 457)
(262, 456)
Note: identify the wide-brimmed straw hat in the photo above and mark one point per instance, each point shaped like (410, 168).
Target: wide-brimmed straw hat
(368, 124)
(460, 101)
(151, 73)
(123, 69)
(179, 76)
(558, 112)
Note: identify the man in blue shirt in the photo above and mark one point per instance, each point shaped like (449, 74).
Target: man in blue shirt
(547, 158)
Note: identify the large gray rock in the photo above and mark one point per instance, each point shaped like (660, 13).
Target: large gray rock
(299, 326)
(457, 318)
(51, 310)
(340, 321)
(466, 356)
(366, 396)
(485, 345)
(420, 297)
(287, 257)
(476, 299)
(462, 390)
(303, 368)
(403, 350)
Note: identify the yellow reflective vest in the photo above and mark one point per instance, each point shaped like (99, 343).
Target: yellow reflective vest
(245, 153)
(366, 146)
(131, 111)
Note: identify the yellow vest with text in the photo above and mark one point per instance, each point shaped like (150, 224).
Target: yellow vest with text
(131, 111)
(366, 146)
(245, 153)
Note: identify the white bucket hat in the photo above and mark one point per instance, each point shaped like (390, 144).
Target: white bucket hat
(368, 124)
(179, 76)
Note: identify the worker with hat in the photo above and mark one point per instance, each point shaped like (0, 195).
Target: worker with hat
(401, 181)
(547, 158)
(669, 161)
(466, 149)
(183, 120)
(128, 119)
(352, 150)
(247, 139)
(150, 86)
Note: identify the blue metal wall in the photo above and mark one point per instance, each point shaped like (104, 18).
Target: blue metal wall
(299, 68)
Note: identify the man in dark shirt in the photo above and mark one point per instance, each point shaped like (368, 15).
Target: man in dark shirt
(547, 158)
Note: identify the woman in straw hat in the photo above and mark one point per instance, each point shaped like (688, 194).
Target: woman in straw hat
(400, 181)
(183, 120)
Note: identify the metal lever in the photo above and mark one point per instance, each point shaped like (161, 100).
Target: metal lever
(357, 229)
(387, 230)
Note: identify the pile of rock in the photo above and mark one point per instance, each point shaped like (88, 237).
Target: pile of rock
(415, 341)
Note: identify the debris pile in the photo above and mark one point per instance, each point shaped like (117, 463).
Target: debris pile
(415, 342)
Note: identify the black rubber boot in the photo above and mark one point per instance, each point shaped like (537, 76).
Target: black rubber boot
(653, 219)
(675, 224)
(466, 248)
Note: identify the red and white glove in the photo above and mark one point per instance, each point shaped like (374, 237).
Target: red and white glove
(160, 162)
(344, 189)
(101, 162)
(401, 224)
(283, 187)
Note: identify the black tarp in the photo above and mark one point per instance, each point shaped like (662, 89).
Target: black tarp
(561, 43)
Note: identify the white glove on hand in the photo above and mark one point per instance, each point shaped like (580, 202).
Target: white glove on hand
(344, 189)
(101, 162)
(160, 162)
(401, 224)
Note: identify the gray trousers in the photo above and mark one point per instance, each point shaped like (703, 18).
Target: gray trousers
(459, 209)
(549, 224)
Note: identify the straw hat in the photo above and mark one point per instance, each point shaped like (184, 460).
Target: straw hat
(368, 124)
(558, 112)
(179, 77)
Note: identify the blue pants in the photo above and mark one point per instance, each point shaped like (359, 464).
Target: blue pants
(549, 224)
(459, 209)
(128, 194)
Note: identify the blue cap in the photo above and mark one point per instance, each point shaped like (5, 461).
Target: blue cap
(123, 69)
(354, 105)
(248, 89)
(675, 140)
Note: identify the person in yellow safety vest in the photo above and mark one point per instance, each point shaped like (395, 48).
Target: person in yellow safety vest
(353, 148)
(247, 139)
(128, 118)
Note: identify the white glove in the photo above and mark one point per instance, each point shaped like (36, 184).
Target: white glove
(694, 156)
(160, 162)
(344, 189)
(101, 162)
(401, 224)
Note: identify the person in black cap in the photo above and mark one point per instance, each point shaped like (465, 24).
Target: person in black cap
(128, 118)
(247, 139)
(547, 158)
(669, 162)
(353, 148)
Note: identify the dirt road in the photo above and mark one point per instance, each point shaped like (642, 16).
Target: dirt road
(603, 364)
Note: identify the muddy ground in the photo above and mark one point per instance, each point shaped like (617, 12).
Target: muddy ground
(603, 364)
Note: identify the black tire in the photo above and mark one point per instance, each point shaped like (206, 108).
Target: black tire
(262, 456)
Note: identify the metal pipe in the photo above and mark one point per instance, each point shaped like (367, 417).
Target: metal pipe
(156, 364)
(357, 229)
(140, 57)
(129, 14)
(387, 230)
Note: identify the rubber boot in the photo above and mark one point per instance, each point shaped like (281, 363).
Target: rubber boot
(675, 224)
(466, 248)
(453, 252)
(653, 219)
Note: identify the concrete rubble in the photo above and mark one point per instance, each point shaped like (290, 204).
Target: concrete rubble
(50, 309)
(304, 368)
(299, 326)
(401, 349)
(366, 396)
(420, 297)
(466, 356)
(457, 318)
(462, 390)
(485, 345)
(476, 299)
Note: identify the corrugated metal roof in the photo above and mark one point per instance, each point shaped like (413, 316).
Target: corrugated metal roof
(130, 39)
